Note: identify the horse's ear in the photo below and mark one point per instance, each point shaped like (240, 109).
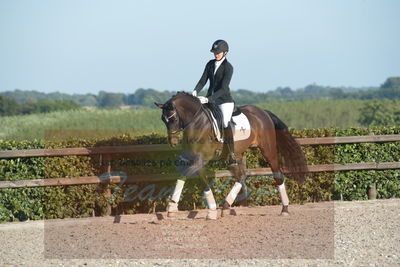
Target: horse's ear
(159, 105)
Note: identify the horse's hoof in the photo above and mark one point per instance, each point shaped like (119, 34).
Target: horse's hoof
(172, 207)
(226, 209)
(212, 215)
(172, 214)
(226, 206)
(285, 211)
(224, 212)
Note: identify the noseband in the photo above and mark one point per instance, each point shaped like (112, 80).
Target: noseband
(167, 118)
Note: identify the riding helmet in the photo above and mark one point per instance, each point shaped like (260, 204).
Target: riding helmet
(219, 46)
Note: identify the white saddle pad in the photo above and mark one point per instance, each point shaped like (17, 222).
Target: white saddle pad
(241, 129)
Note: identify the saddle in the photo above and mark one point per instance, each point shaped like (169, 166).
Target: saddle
(236, 112)
(215, 117)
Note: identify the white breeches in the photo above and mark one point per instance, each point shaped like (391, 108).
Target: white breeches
(226, 109)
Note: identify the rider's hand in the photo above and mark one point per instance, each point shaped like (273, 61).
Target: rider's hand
(203, 99)
(194, 93)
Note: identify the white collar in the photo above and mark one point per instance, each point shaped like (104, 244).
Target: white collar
(217, 64)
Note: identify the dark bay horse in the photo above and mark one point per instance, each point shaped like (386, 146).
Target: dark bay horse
(184, 113)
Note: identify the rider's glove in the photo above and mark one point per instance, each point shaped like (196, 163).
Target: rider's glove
(203, 99)
(194, 93)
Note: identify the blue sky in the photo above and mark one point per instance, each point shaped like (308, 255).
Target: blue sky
(119, 46)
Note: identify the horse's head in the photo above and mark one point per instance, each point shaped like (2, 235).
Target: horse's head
(177, 113)
(172, 121)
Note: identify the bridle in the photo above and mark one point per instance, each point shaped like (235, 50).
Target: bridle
(167, 118)
(176, 115)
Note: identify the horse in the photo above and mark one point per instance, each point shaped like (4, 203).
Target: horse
(185, 113)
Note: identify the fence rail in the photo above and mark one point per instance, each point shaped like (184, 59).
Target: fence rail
(86, 151)
(108, 150)
(165, 177)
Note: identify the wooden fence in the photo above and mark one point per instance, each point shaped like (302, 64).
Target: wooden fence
(105, 152)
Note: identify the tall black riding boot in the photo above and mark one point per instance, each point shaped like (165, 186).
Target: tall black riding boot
(228, 140)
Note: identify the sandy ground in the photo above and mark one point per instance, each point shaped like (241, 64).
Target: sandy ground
(362, 233)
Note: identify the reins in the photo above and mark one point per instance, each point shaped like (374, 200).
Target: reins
(184, 127)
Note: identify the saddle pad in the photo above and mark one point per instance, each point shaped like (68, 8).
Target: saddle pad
(241, 128)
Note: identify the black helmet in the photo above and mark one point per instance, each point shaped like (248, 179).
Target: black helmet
(219, 46)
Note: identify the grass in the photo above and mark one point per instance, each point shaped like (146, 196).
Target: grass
(318, 114)
(111, 122)
(84, 122)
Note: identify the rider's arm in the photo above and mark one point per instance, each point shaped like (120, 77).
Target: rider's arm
(203, 79)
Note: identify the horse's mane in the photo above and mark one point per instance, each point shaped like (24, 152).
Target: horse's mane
(183, 93)
(212, 107)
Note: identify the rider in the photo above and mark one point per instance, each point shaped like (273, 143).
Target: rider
(219, 71)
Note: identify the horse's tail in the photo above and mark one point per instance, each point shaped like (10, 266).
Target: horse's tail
(291, 158)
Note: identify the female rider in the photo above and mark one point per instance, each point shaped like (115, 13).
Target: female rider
(219, 71)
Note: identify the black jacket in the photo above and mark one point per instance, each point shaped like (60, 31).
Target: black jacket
(219, 91)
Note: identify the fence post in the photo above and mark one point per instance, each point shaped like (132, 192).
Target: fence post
(105, 167)
(372, 192)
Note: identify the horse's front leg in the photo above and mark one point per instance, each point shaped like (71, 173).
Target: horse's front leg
(212, 213)
(172, 207)
(239, 173)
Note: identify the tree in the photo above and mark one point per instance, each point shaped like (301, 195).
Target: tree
(390, 88)
(47, 105)
(110, 100)
(147, 97)
(337, 93)
(87, 100)
(380, 113)
(8, 106)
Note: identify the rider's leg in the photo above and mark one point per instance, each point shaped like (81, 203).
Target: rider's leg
(228, 140)
(227, 109)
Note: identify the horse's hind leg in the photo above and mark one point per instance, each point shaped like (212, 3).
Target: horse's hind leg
(244, 193)
(270, 152)
(279, 182)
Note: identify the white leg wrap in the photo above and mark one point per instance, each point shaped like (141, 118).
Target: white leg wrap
(233, 194)
(178, 190)
(172, 207)
(284, 196)
(209, 196)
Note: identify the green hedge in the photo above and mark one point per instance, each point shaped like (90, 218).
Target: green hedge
(89, 200)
